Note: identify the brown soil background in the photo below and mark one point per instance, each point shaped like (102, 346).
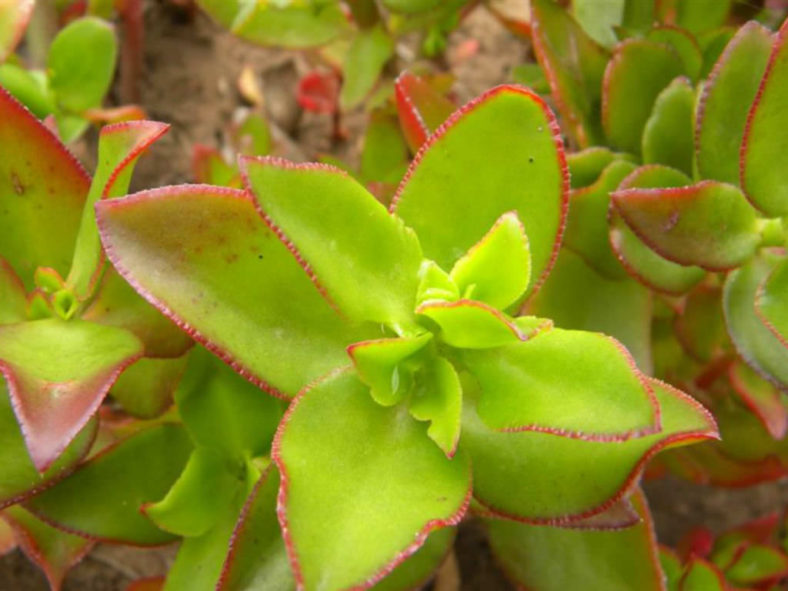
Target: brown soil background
(190, 81)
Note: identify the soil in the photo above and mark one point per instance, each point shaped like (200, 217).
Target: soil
(191, 72)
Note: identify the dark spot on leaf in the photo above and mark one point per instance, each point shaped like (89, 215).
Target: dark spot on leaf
(531, 159)
(19, 188)
(231, 257)
(259, 256)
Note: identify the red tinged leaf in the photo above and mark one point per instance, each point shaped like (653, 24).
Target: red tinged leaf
(709, 224)
(764, 183)
(699, 324)
(701, 575)
(771, 304)
(53, 550)
(762, 398)
(42, 191)
(58, 373)
(208, 167)
(147, 584)
(13, 300)
(7, 538)
(318, 92)
(14, 16)
(421, 108)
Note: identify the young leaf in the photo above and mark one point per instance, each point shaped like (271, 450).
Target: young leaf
(81, 63)
(257, 557)
(569, 383)
(365, 257)
(558, 490)
(420, 107)
(634, 77)
(725, 102)
(295, 25)
(556, 559)
(759, 347)
(438, 399)
(53, 550)
(574, 65)
(587, 165)
(120, 146)
(771, 304)
(709, 224)
(204, 257)
(361, 497)
(14, 16)
(524, 170)
(764, 184)
(42, 188)
(58, 373)
(497, 269)
(102, 498)
(19, 478)
(667, 136)
(368, 53)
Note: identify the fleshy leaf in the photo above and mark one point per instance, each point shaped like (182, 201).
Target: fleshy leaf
(701, 575)
(294, 25)
(523, 170)
(384, 158)
(120, 146)
(512, 478)
(81, 63)
(58, 373)
(577, 297)
(19, 478)
(564, 382)
(438, 399)
(587, 165)
(634, 77)
(419, 566)
(117, 304)
(758, 564)
(145, 388)
(379, 364)
(700, 326)
(698, 16)
(762, 398)
(13, 300)
(759, 347)
(765, 184)
(772, 302)
(667, 136)
(14, 16)
(53, 550)
(204, 257)
(556, 559)
(709, 224)
(420, 107)
(403, 486)
(368, 53)
(574, 64)
(257, 558)
(102, 498)
(683, 43)
(467, 324)
(435, 284)
(725, 102)
(7, 539)
(366, 259)
(497, 269)
(210, 168)
(42, 189)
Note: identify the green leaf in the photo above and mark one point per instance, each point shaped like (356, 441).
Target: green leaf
(587, 228)
(772, 302)
(222, 410)
(12, 295)
(726, 99)
(31, 88)
(701, 575)
(759, 347)
(438, 398)
(555, 559)
(145, 388)
(699, 324)
(14, 16)
(223, 11)
(709, 224)
(381, 365)
(384, 157)
(523, 169)
(58, 373)
(634, 77)
(574, 64)
(296, 24)
(19, 478)
(435, 284)
(577, 297)
(683, 43)
(208, 261)
(571, 383)
(368, 53)
(420, 566)
(42, 188)
(358, 498)
(81, 63)
(366, 258)
(671, 566)
(117, 304)
(712, 44)
(698, 16)
(586, 165)
(543, 478)
(667, 136)
(53, 550)
(102, 498)
(757, 564)
(420, 107)
(598, 19)
(765, 184)
(409, 6)
(497, 269)
(210, 168)
(257, 558)
(467, 324)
